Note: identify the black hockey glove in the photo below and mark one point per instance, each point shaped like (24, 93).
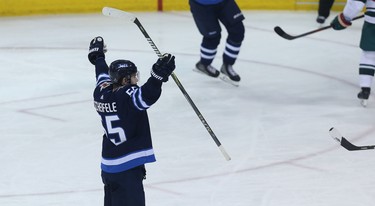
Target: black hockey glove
(163, 68)
(97, 49)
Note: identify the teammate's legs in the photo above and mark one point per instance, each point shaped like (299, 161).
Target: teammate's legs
(232, 17)
(233, 42)
(325, 7)
(324, 10)
(208, 25)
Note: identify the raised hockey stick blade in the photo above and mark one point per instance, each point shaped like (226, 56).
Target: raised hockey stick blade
(287, 36)
(336, 135)
(112, 12)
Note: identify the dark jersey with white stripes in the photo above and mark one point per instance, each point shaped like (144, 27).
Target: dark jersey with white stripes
(127, 139)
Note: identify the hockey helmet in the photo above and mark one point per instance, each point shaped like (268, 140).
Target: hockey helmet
(120, 69)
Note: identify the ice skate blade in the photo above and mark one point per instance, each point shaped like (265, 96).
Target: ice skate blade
(364, 102)
(200, 72)
(320, 25)
(226, 79)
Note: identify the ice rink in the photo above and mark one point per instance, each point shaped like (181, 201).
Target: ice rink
(274, 125)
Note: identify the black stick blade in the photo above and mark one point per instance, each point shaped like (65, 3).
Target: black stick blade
(335, 134)
(351, 147)
(282, 33)
(347, 145)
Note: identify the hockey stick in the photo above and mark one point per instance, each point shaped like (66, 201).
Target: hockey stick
(112, 12)
(283, 34)
(335, 134)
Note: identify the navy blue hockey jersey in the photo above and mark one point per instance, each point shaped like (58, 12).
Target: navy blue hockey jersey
(127, 139)
(209, 2)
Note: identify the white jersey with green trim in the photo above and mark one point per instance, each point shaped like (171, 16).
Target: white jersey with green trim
(354, 7)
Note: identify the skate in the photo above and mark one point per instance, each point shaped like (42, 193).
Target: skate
(229, 75)
(321, 19)
(363, 95)
(207, 70)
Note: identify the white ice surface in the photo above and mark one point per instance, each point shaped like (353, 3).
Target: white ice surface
(274, 125)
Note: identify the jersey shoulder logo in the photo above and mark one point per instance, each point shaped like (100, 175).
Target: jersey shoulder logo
(104, 85)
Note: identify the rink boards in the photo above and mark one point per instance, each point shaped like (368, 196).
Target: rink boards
(32, 7)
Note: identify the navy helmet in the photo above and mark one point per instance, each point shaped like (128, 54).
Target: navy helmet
(120, 69)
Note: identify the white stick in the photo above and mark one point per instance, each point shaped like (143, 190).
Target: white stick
(112, 12)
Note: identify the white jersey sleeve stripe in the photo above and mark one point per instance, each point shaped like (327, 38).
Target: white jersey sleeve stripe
(138, 101)
(102, 78)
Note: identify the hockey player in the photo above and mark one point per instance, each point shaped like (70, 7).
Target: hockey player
(207, 14)
(122, 106)
(324, 10)
(367, 43)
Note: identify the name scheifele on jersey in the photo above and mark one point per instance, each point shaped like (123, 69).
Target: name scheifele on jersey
(105, 107)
